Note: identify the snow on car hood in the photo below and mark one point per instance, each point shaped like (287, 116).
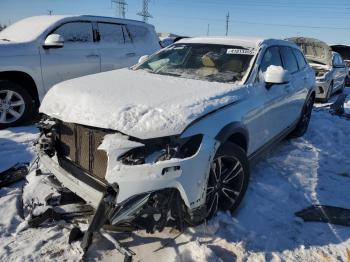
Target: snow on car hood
(314, 49)
(9, 49)
(136, 103)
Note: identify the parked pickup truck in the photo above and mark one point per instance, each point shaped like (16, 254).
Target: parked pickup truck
(38, 52)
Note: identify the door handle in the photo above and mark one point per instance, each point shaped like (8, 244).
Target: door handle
(130, 54)
(92, 56)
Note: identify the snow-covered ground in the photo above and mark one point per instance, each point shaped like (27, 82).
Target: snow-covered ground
(314, 169)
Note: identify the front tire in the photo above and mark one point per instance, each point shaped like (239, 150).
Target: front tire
(304, 121)
(16, 105)
(228, 179)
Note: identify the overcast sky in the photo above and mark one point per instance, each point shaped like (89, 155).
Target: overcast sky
(323, 19)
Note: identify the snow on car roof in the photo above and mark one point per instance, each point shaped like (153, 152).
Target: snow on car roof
(250, 42)
(29, 29)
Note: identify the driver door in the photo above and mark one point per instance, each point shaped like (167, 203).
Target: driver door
(78, 57)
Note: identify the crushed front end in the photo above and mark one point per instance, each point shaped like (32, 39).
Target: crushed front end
(152, 183)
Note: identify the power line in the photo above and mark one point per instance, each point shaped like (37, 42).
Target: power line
(258, 23)
(121, 6)
(144, 13)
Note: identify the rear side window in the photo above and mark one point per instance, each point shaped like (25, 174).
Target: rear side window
(289, 61)
(138, 33)
(76, 32)
(111, 33)
(300, 58)
(271, 57)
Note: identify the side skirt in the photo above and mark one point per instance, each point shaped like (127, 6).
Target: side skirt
(258, 154)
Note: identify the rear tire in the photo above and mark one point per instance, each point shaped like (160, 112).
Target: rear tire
(329, 93)
(304, 121)
(228, 179)
(16, 105)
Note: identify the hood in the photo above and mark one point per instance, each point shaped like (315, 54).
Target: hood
(314, 49)
(9, 48)
(136, 103)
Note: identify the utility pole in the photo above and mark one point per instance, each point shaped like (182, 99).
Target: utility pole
(121, 5)
(227, 22)
(208, 29)
(144, 13)
(50, 12)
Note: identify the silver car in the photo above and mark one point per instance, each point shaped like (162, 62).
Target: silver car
(330, 68)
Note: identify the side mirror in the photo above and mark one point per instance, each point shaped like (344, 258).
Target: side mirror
(54, 41)
(143, 58)
(276, 75)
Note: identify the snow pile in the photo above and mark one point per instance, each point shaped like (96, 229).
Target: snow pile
(347, 105)
(136, 103)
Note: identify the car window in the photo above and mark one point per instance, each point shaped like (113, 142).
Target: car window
(271, 57)
(111, 33)
(300, 58)
(209, 62)
(339, 60)
(289, 61)
(76, 32)
(127, 37)
(138, 33)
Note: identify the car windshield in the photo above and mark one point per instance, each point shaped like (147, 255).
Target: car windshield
(210, 62)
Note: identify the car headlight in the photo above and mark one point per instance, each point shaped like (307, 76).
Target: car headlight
(160, 149)
(324, 77)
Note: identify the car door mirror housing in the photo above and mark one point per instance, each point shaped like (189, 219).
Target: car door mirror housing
(276, 75)
(143, 58)
(54, 41)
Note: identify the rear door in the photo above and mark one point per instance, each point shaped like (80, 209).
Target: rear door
(115, 46)
(78, 56)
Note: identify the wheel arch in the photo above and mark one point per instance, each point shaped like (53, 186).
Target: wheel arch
(236, 133)
(24, 80)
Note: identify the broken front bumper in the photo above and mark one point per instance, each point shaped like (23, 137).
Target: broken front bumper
(82, 184)
(322, 89)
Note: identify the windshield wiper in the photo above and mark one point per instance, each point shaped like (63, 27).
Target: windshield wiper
(169, 74)
(5, 39)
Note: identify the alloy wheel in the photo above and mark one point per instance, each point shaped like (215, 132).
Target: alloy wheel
(225, 184)
(12, 106)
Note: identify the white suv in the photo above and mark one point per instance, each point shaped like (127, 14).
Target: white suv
(174, 138)
(38, 52)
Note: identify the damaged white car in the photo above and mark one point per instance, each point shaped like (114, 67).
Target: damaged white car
(330, 68)
(170, 140)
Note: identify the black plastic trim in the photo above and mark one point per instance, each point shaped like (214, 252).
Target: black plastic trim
(79, 174)
(231, 129)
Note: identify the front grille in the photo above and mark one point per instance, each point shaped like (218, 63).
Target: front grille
(78, 144)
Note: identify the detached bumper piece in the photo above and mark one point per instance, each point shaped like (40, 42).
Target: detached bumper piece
(337, 107)
(326, 214)
(13, 174)
(100, 218)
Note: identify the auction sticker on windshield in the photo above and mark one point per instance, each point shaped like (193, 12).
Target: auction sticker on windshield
(235, 51)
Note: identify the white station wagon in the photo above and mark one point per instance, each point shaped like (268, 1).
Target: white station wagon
(172, 138)
(38, 52)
